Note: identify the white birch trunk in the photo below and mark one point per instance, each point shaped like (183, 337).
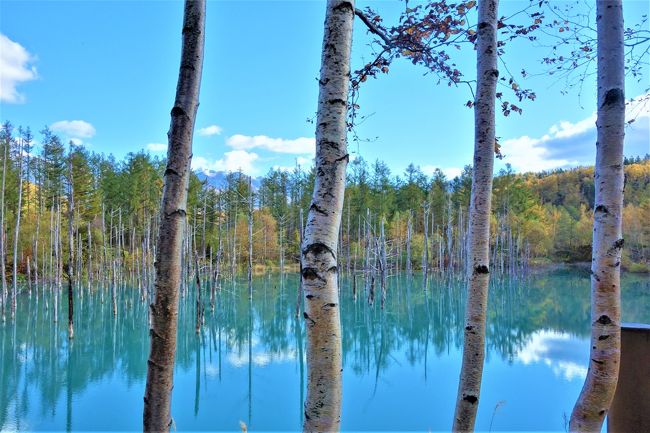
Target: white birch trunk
(164, 310)
(318, 252)
(604, 359)
(250, 238)
(3, 273)
(70, 265)
(14, 288)
(469, 387)
(409, 231)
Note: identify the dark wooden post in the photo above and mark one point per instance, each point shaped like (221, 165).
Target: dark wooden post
(630, 411)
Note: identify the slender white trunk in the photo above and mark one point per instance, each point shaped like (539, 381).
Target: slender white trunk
(164, 310)
(90, 258)
(604, 358)
(382, 262)
(302, 238)
(318, 251)
(3, 272)
(250, 238)
(38, 227)
(425, 246)
(14, 289)
(409, 231)
(70, 265)
(469, 388)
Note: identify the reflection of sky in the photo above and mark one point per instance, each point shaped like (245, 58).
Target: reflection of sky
(261, 357)
(414, 388)
(560, 351)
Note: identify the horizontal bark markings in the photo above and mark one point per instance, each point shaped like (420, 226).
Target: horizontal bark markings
(604, 320)
(317, 249)
(613, 97)
(601, 208)
(169, 171)
(178, 112)
(481, 269)
(345, 158)
(344, 5)
(472, 399)
(339, 101)
(306, 317)
(180, 212)
(311, 274)
(318, 209)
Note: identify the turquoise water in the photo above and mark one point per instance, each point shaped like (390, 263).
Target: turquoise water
(401, 364)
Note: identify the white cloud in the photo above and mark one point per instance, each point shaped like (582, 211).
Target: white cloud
(450, 172)
(210, 130)
(234, 160)
(76, 141)
(567, 129)
(157, 147)
(304, 163)
(530, 154)
(15, 68)
(74, 128)
(301, 145)
(570, 144)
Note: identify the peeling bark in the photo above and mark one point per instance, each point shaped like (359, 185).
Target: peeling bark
(164, 310)
(600, 385)
(318, 255)
(469, 387)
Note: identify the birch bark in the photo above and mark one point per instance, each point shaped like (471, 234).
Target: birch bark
(319, 260)
(604, 360)
(469, 387)
(14, 276)
(164, 310)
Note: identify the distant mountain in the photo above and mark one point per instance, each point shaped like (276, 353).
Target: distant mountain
(217, 179)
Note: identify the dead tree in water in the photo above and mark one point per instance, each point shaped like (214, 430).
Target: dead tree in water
(250, 238)
(382, 262)
(70, 265)
(14, 290)
(409, 234)
(368, 247)
(6, 140)
(164, 310)
(299, 297)
(199, 300)
(425, 246)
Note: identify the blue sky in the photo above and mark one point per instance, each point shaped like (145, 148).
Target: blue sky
(103, 73)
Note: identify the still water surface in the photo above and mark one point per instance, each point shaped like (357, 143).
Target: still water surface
(400, 364)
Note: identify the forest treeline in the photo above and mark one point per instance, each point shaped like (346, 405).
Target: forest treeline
(536, 218)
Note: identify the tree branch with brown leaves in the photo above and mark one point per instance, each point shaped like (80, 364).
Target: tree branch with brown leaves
(428, 34)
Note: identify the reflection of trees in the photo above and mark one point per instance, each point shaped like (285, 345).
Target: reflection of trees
(38, 368)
